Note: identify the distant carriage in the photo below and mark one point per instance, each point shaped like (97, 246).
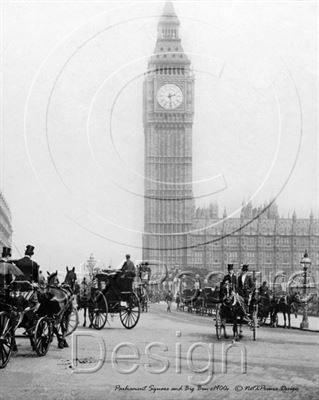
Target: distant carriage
(143, 276)
(290, 294)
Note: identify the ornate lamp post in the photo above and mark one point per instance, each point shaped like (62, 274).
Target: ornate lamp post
(305, 263)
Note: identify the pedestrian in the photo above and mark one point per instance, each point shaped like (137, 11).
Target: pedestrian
(169, 299)
(178, 300)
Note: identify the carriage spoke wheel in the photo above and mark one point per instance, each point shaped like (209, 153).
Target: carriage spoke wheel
(6, 339)
(43, 336)
(98, 310)
(218, 323)
(130, 314)
(72, 321)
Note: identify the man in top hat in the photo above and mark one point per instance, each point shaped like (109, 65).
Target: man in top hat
(245, 285)
(6, 255)
(29, 267)
(230, 277)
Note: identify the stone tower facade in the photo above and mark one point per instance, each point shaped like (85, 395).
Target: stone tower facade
(168, 118)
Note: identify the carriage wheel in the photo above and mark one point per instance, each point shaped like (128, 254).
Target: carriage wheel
(98, 310)
(218, 323)
(72, 321)
(6, 338)
(130, 314)
(43, 334)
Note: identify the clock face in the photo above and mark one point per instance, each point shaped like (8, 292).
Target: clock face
(169, 96)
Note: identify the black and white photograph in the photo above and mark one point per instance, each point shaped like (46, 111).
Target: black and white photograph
(159, 199)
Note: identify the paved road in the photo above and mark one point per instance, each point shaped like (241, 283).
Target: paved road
(279, 357)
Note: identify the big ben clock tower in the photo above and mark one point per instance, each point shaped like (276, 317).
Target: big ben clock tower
(168, 119)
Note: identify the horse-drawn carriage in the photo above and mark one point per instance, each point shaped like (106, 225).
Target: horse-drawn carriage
(15, 313)
(109, 292)
(290, 294)
(231, 310)
(143, 276)
(41, 311)
(117, 287)
(201, 300)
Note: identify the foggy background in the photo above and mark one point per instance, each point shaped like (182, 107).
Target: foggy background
(72, 153)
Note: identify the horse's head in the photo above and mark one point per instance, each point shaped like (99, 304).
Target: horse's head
(53, 278)
(294, 298)
(70, 277)
(227, 294)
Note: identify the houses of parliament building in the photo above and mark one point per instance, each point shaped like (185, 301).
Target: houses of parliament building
(177, 233)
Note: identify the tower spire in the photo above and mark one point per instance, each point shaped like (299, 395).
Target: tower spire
(168, 49)
(168, 24)
(169, 10)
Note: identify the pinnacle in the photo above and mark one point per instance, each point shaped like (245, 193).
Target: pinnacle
(169, 10)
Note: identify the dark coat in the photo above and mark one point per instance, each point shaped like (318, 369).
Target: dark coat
(246, 288)
(232, 279)
(29, 268)
(169, 297)
(129, 268)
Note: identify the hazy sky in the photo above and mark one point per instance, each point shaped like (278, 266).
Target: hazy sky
(72, 133)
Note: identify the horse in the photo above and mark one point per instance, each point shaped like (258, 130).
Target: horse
(70, 279)
(287, 305)
(56, 303)
(142, 295)
(83, 296)
(231, 310)
(265, 307)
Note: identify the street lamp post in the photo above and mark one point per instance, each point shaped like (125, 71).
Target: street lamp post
(305, 263)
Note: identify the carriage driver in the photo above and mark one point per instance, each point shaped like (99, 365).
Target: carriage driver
(30, 270)
(29, 267)
(128, 267)
(230, 277)
(245, 286)
(232, 280)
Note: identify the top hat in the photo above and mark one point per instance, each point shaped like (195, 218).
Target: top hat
(230, 267)
(29, 250)
(6, 252)
(245, 267)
